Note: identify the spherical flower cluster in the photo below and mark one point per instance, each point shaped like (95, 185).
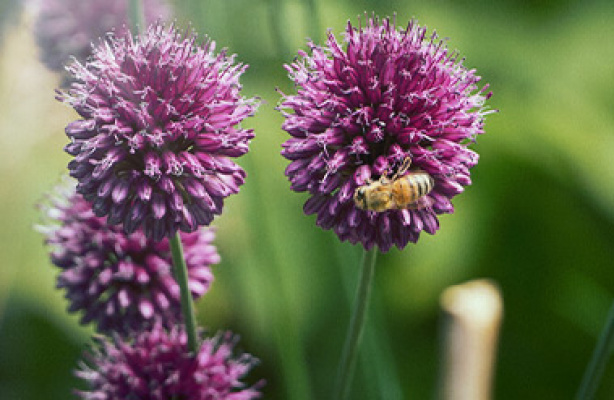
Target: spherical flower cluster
(157, 365)
(362, 110)
(159, 124)
(67, 28)
(120, 282)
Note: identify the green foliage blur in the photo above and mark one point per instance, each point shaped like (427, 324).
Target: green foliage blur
(538, 219)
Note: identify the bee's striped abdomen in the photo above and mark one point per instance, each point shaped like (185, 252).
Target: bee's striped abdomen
(411, 187)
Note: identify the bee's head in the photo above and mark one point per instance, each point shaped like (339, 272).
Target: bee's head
(360, 197)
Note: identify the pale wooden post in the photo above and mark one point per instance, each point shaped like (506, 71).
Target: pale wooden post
(472, 317)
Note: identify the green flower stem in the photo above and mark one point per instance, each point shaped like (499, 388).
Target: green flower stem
(187, 305)
(357, 323)
(137, 16)
(375, 359)
(601, 355)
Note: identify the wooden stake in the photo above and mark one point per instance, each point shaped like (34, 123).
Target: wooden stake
(472, 317)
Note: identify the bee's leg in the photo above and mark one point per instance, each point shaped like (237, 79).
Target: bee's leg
(403, 168)
(421, 203)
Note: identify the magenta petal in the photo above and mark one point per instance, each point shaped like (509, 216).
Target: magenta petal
(146, 308)
(158, 206)
(120, 191)
(123, 298)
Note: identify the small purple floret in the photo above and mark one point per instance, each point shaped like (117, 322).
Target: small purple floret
(121, 282)
(160, 123)
(362, 109)
(157, 365)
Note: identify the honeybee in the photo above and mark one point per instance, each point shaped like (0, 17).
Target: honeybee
(403, 190)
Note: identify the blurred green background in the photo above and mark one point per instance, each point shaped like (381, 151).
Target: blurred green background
(538, 220)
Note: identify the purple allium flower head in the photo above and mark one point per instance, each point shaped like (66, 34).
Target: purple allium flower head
(159, 126)
(67, 28)
(363, 109)
(120, 282)
(157, 365)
